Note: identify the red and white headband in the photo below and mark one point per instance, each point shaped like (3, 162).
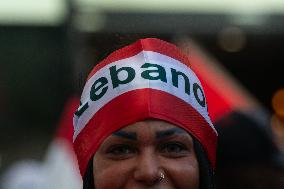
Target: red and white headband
(148, 79)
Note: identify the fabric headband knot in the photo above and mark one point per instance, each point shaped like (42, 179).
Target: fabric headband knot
(148, 79)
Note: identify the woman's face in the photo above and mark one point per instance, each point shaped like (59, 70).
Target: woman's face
(136, 156)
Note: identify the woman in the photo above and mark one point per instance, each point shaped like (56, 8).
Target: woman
(143, 122)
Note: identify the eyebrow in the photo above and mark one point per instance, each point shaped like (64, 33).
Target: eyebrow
(169, 132)
(127, 135)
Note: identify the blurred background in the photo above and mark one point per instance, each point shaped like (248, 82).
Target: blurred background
(48, 47)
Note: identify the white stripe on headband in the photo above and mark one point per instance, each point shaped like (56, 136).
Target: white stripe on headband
(105, 84)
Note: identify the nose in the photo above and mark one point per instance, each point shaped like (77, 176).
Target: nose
(148, 170)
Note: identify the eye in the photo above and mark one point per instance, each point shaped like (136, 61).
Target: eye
(174, 149)
(121, 151)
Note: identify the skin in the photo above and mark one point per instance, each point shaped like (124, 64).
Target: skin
(135, 156)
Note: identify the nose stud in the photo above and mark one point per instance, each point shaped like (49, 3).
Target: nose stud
(162, 176)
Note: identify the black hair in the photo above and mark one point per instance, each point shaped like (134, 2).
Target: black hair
(206, 173)
(88, 179)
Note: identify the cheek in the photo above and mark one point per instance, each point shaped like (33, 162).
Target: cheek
(109, 175)
(184, 174)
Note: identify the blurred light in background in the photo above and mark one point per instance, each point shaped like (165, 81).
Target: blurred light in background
(220, 6)
(278, 103)
(202, 16)
(232, 39)
(32, 12)
(277, 119)
(52, 12)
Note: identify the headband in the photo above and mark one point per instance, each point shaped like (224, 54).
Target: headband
(147, 79)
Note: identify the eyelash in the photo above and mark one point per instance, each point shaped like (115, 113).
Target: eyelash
(174, 149)
(171, 149)
(121, 151)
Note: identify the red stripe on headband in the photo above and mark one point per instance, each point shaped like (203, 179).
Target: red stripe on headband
(148, 44)
(139, 105)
